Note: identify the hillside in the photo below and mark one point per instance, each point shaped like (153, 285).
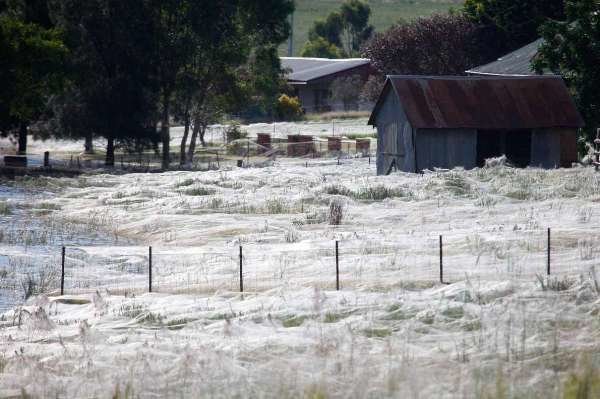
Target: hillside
(384, 14)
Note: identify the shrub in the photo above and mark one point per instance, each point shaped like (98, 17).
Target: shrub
(288, 108)
(4, 208)
(234, 132)
(199, 191)
(336, 189)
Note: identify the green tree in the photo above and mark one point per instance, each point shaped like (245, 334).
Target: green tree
(357, 30)
(31, 70)
(321, 48)
(505, 25)
(215, 37)
(329, 29)
(572, 48)
(111, 91)
(342, 33)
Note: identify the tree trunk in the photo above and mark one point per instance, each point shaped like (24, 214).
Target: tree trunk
(202, 133)
(110, 152)
(192, 148)
(89, 143)
(186, 131)
(22, 149)
(165, 134)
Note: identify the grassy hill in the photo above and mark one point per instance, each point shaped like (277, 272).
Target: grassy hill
(384, 13)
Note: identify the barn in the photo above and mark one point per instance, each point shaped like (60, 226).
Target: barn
(427, 122)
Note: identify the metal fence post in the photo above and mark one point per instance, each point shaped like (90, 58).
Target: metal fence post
(241, 271)
(62, 273)
(149, 269)
(548, 254)
(337, 267)
(441, 261)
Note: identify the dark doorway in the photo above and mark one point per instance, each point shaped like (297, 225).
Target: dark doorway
(515, 144)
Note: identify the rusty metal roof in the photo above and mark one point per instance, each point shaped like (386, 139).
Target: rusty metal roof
(483, 102)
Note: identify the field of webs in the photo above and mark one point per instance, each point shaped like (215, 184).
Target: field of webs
(501, 328)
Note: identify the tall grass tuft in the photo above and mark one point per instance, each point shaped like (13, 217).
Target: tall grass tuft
(336, 212)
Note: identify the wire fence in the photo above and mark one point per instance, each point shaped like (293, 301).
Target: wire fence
(420, 260)
(241, 152)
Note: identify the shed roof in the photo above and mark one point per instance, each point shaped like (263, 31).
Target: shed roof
(516, 63)
(482, 102)
(305, 69)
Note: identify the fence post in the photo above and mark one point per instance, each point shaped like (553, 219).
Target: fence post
(62, 273)
(337, 266)
(46, 159)
(241, 271)
(149, 269)
(548, 254)
(441, 261)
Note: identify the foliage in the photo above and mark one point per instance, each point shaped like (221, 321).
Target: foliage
(372, 88)
(384, 14)
(234, 132)
(571, 47)
(328, 29)
(341, 33)
(234, 65)
(346, 89)
(31, 70)
(357, 30)
(321, 48)
(505, 25)
(112, 92)
(436, 45)
(288, 108)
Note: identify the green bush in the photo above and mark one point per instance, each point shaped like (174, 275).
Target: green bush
(234, 132)
(288, 108)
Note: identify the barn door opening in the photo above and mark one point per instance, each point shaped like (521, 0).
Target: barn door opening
(515, 144)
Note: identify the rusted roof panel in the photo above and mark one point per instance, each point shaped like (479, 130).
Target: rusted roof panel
(482, 102)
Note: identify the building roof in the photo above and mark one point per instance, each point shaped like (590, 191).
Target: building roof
(303, 70)
(517, 63)
(482, 102)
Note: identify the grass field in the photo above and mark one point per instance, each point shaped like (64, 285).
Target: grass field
(384, 13)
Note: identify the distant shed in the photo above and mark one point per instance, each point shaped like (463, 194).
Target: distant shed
(428, 122)
(311, 79)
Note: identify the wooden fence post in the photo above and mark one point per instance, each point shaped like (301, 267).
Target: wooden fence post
(46, 159)
(62, 273)
(149, 269)
(241, 271)
(548, 254)
(337, 267)
(441, 261)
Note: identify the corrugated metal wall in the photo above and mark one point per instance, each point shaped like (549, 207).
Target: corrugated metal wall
(394, 137)
(545, 148)
(446, 148)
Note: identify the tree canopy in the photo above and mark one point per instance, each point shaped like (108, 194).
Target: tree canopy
(572, 48)
(130, 68)
(341, 33)
(31, 70)
(505, 25)
(442, 44)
